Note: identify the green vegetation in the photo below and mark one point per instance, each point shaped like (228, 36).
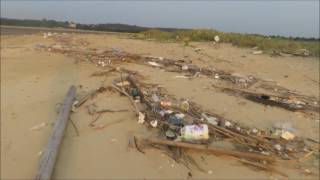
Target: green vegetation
(273, 45)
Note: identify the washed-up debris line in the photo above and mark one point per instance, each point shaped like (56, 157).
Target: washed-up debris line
(108, 58)
(184, 124)
(290, 103)
(104, 58)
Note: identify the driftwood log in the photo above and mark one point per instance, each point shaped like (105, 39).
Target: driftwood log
(50, 155)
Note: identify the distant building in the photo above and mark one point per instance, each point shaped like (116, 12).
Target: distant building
(72, 25)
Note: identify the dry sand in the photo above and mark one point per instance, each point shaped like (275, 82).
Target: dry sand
(33, 84)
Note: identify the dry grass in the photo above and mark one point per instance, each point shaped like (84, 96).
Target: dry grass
(267, 44)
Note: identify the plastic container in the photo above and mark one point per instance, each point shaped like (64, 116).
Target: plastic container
(174, 120)
(195, 132)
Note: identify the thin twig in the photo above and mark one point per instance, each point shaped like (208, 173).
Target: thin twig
(312, 79)
(126, 94)
(263, 167)
(108, 124)
(136, 145)
(110, 110)
(121, 81)
(95, 119)
(75, 127)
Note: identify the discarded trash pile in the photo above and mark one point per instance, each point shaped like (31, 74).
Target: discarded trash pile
(184, 124)
(282, 97)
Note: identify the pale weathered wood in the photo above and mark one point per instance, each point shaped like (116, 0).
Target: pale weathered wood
(50, 155)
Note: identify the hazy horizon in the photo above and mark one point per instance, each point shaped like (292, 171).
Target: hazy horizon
(285, 18)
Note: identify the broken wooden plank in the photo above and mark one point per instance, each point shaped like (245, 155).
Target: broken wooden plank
(49, 158)
(214, 150)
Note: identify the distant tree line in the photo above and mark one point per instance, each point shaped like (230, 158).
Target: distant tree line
(34, 23)
(108, 27)
(66, 24)
(295, 38)
(112, 27)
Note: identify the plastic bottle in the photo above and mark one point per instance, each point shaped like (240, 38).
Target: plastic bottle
(195, 132)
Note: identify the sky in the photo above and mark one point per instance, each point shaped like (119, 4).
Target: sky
(298, 18)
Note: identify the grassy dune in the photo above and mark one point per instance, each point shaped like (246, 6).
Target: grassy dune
(271, 45)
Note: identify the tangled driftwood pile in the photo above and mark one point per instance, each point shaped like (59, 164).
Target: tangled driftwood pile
(259, 148)
(158, 110)
(235, 84)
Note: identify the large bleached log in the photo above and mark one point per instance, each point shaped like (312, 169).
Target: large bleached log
(50, 155)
